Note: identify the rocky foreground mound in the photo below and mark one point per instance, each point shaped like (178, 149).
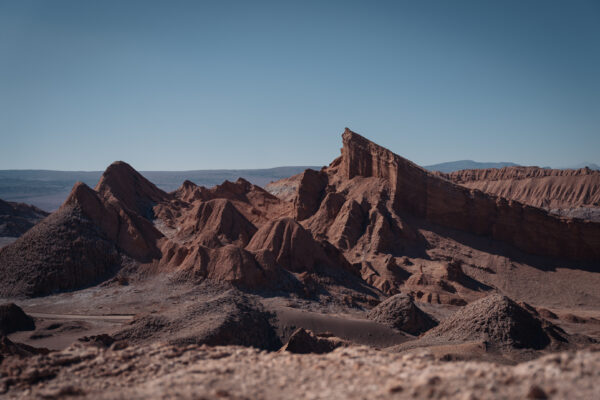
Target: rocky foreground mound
(306, 342)
(229, 318)
(14, 319)
(164, 371)
(400, 312)
(496, 320)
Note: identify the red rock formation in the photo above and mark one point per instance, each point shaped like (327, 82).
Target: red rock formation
(215, 223)
(364, 215)
(86, 240)
(418, 192)
(255, 203)
(538, 187)
(120, 181)
(310, 192)
(294, 248)
(133, 234)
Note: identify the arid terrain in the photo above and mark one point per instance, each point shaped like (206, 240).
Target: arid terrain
(369, 278)
(571, 193)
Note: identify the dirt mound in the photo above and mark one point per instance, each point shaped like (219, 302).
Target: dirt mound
(14, 319)
(400, 312)
(9, 348)
(18, 218)
(305, 342)
(229, 318)
(65, 251)
(495, 319)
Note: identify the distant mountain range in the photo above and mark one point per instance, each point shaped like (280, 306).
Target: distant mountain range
(470, 164)
(48, 189)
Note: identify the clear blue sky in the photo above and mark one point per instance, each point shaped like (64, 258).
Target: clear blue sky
(178, 85)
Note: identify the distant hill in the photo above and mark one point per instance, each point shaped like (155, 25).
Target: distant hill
(583, 165)
(48, 189)
(453, 166)
(467, 164)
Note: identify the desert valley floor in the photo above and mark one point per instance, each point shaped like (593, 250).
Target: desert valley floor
(369, 278)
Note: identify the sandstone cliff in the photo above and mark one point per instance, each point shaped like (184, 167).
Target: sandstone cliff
(538, 187)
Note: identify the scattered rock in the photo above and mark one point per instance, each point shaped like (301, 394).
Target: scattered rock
(102, 340)
(536, 392)
(304, 342)
(13, 319)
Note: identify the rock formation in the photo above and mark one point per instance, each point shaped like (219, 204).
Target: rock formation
(361, 217)
(496, 320)
(305, 342)
(17, 350)
(91, 236)
(229, 318)
(400, 312)
(18, 218)
(65, 251)
(236, 265)
(371, 204)
(538, 187)
(13, 319)
(416, 191)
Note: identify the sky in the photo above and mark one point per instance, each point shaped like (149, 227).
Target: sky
(181, 85)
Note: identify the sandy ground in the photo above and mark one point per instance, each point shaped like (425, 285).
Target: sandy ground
(200, 372)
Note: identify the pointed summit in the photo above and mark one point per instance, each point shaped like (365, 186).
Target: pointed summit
(216, 223)
(361, 157)
(124, 183)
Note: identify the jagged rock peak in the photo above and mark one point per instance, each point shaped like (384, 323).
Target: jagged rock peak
(81, 196)
(361, 157)
(122, 181)
(293, 246)
(188, 184)
(219, 218)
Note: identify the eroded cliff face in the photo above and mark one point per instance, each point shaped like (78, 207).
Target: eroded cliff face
(413, 190)
(372, 205)
(538, 187)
